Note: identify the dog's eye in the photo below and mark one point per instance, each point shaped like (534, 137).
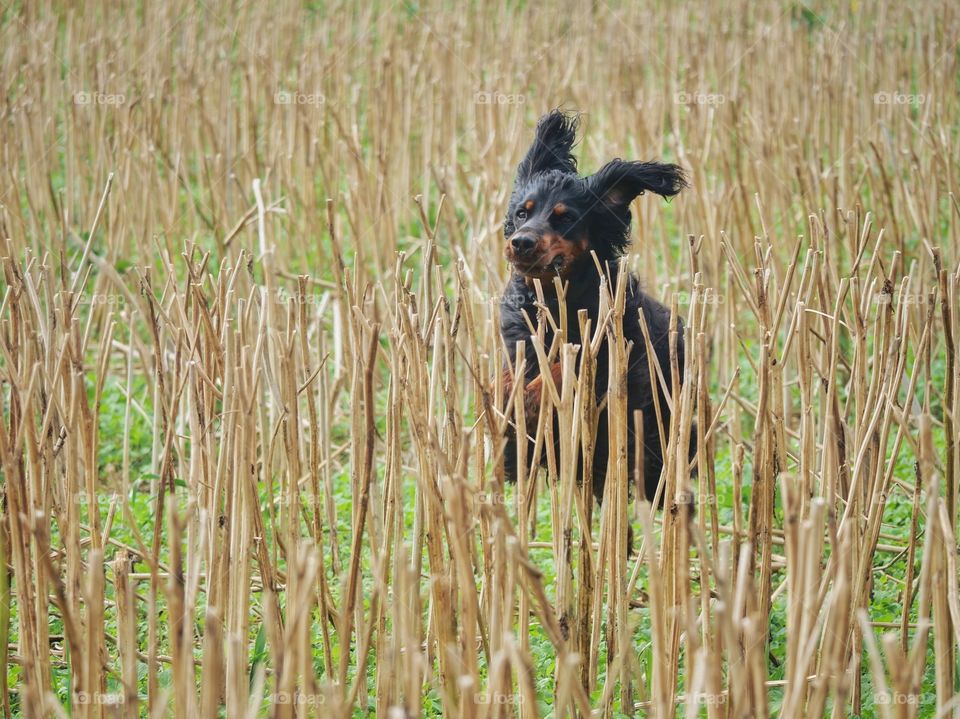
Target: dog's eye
(521, 214)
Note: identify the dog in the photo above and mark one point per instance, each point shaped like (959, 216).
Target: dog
(556, 221)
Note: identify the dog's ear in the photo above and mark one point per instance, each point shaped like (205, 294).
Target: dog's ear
(617, 183)
(551, 149)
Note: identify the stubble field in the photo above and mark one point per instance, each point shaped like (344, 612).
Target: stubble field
(250, 371)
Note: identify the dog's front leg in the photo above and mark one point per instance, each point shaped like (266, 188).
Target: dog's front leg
(533, 391)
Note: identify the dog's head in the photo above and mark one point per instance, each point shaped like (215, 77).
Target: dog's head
(557, 217)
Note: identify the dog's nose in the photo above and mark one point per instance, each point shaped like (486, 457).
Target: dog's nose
(522, 244)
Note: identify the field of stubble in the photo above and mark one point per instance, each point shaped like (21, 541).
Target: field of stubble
(250, 372)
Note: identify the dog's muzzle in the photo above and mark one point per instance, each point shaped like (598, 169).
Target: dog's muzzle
(522, 245)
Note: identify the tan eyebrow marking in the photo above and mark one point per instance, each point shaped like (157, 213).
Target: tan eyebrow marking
(528, 205)
(559, 209)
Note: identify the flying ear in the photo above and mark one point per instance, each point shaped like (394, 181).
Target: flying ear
(617, 183)
(551, 148)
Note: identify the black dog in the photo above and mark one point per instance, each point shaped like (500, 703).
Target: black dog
(556, 218)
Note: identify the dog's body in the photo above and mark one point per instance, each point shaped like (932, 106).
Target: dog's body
(555, 221)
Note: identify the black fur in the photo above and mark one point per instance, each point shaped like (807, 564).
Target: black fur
(555, 220)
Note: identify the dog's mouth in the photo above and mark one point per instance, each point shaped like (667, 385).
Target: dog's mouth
(544, 257)
(539, 267)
